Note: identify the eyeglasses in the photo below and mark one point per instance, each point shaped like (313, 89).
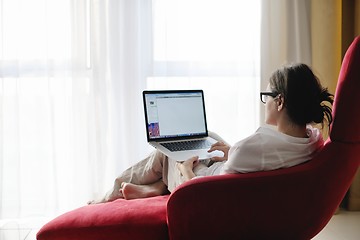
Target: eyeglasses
(265, 95)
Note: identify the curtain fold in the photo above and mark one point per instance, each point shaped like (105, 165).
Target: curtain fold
(332, 33)
(285, 36)
(121, 59)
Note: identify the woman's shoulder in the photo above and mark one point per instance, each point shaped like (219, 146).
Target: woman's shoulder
(254, 140)
(262, 133)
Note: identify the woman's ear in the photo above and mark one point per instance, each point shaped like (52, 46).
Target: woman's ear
(280, 103)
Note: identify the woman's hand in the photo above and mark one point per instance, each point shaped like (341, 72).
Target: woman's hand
(220, 146)
(186, 167)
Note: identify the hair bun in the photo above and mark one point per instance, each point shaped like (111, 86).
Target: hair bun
(319, 114)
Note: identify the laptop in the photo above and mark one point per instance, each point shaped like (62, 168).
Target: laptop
(176, 124)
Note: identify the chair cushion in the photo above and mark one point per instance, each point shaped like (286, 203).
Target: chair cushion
(121, 219)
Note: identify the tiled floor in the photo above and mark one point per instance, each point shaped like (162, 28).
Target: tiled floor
(23, 229)
(343, 226)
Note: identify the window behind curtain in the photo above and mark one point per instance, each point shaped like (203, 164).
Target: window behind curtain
(44, 108)
(34, 50)
(58, 102)
(211, 45)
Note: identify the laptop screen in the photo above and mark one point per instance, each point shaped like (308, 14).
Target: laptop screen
(174, 114)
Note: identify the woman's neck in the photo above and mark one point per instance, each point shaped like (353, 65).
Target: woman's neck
(294, 131)
(287, 127)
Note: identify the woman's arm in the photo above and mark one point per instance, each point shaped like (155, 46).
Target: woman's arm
(220, 146)
(186, 167)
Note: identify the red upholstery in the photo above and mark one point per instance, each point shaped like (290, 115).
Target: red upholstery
(121, 219)
(293, 203)
(346, 112)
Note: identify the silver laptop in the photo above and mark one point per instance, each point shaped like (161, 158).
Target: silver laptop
(176, 124)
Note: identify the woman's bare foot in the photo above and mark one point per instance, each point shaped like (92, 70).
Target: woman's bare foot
(132, 191)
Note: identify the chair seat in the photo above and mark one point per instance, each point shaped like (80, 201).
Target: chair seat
(120, 219)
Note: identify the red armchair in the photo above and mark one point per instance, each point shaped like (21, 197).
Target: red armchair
(293, 203)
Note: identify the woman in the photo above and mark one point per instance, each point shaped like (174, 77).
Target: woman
(294, 99)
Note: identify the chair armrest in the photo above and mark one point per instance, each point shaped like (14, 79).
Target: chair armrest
(196, 206)
(234, 205)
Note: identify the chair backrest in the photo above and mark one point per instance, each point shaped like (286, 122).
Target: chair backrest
(346, 110)
(339, 160)
(292, 203)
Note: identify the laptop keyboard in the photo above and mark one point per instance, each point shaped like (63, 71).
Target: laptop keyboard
(187, 145)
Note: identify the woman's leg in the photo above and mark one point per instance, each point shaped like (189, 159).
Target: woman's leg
(174, 177)
(161, 187)
(148, 171)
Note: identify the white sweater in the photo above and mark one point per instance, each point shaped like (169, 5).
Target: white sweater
(267, 149)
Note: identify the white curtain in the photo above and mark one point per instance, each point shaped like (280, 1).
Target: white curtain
(285, 35)
(71, 76)
(211, 45)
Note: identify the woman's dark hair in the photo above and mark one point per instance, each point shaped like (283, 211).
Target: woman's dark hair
(304, 97)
